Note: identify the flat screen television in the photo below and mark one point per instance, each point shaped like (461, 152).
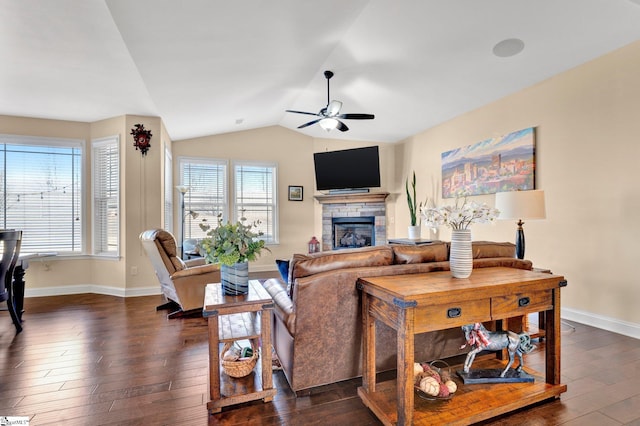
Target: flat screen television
(347, 169)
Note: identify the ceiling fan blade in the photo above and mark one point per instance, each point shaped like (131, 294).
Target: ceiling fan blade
(357, 116)
(309, 123)
(302, 112)
(341, 126)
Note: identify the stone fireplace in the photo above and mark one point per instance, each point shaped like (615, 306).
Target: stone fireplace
(353, 220)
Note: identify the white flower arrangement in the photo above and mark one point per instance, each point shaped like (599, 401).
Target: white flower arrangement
(459, 216)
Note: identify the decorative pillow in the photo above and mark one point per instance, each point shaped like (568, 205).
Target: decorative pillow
(283, 268)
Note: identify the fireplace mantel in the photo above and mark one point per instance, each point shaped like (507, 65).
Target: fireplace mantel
(365, 197)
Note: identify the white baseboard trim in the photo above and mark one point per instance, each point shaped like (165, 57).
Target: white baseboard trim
(91, 288)
(600, 321)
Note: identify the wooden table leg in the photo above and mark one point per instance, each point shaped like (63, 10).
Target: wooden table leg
(552, 334)
(369, 348)
(405, 366)
(214, 362)
(267, 377)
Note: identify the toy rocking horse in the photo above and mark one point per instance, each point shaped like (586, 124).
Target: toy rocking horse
(481, 339)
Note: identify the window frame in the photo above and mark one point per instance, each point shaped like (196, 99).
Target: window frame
(95, 222)
(80, 144)
(225, 210)
(275, 205)
(168, 190)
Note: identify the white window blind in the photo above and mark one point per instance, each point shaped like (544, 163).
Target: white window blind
(168, 191)
(41, 192)
(255, 197)
(207, 194)
(106, 196)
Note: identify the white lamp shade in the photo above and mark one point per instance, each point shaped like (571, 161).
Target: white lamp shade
(182, 188)
(521, 204)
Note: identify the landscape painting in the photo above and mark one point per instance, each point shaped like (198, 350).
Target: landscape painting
(503, 163)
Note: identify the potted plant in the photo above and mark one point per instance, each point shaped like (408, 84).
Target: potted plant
(414, 228)
(233, 246)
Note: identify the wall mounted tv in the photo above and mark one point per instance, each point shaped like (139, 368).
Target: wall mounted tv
(348, 169)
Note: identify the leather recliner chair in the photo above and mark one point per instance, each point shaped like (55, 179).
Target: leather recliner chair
(182, 283)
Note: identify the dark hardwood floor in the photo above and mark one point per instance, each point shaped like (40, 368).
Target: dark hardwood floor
(93, 360)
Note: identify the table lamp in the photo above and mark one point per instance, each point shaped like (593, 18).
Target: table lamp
(521, 205)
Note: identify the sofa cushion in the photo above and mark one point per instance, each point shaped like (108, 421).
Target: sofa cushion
(341, 259)
(434, 252)
(303, 266)
(509, 262)
(484, 249)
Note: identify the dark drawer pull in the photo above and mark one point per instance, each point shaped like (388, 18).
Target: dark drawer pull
(523, 301)
(454, 312)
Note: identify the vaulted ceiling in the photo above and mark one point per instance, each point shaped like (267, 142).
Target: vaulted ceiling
(209, 67)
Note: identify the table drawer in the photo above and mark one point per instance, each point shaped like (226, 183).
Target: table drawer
(521, 303)
(454, 314)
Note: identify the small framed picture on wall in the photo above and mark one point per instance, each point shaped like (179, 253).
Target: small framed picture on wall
(295, 193)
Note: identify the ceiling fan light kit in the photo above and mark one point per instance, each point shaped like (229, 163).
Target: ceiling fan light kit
(329, 116)
(328, 124)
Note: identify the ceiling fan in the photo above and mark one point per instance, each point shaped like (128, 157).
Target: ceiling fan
(329, 116)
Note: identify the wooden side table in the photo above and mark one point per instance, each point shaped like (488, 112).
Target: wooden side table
(234, 318)
(418, 303)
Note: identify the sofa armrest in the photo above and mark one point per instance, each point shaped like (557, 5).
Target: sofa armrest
(196, 270)
(283, 305)
(198, 261)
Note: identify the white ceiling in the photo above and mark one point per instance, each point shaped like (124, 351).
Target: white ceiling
(203, 65)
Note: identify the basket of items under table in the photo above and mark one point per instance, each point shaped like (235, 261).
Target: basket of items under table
(238, 361)
(433, 381)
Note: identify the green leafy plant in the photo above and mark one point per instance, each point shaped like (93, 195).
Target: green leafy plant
(230, 243)
(411, 200)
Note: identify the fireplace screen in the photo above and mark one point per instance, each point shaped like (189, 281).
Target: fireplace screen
(352, 232)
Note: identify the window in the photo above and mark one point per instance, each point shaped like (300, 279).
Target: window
(106, 196)
(255, 197)
(168, 191)
(207, 194)
(41, 192)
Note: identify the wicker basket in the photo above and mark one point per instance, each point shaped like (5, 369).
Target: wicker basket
(239, 368)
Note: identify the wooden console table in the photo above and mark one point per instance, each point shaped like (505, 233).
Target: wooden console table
(234, 318)
(419, 303)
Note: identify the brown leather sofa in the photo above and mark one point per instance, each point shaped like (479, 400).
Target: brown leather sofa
(182, 282)
(317, 320)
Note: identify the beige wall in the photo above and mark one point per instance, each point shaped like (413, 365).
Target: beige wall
(587, 149)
